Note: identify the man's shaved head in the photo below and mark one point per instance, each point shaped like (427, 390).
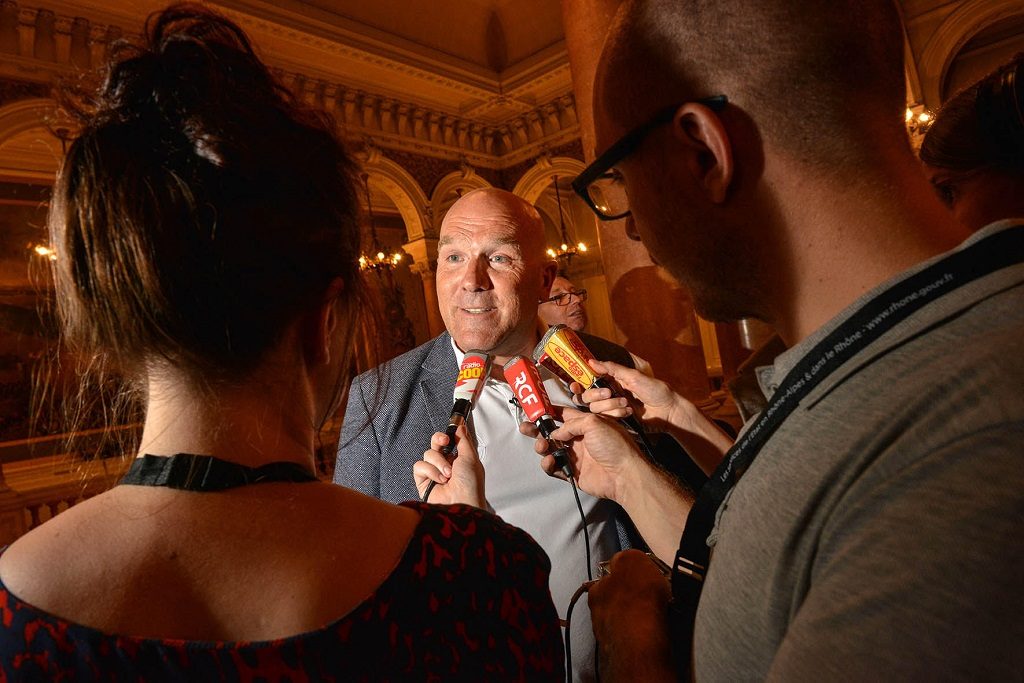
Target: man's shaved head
(790, 64)
(492, 271)
(493, 202)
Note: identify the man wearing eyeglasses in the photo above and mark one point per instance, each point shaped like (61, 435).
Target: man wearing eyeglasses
(565, 305)
(866, 525)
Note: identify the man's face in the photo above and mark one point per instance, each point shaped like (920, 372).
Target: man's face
(671, 215)
(489, 278)
(573, 315)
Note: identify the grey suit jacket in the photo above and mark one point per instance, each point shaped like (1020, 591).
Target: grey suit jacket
(393, 411)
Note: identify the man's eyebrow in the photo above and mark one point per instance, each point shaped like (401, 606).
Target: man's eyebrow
(509, 241)
(500, 241)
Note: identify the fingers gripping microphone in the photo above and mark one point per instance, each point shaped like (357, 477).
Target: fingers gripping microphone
(523, 377)
(564, 353)
(472, 375)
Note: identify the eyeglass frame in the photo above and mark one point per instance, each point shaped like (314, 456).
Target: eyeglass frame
(580, 294)
(628, 144)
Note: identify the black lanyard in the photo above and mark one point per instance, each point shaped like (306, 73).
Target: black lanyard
(878, 316)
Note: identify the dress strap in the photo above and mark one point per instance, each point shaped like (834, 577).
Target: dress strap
(188, 472)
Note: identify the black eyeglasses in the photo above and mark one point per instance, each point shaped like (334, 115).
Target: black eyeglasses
(600, 185)
(565, 298)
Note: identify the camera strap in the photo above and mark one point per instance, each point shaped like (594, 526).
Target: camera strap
(878, 316)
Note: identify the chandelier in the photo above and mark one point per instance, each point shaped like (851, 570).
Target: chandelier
(918, 122)
(377, 260)
(567, 249)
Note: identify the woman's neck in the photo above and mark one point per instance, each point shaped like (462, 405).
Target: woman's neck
(251, 424)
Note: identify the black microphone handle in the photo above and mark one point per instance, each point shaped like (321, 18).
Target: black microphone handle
(459, 413)
(445, 450)
(449, 431)
(561, 454)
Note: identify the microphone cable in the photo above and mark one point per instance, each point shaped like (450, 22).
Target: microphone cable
(567, 471)
(584, 588)
(579, 591)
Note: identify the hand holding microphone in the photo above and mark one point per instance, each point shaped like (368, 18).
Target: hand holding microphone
(473, 371)
(522, 375)
(461, 480)
(565, 354)
(663, 409)
(656, 404)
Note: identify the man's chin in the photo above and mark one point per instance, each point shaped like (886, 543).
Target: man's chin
(474, 343)
(576, 322)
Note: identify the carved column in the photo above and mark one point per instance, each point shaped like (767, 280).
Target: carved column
(641, 301)
(424, 257)
(45, 42)
(10, 41)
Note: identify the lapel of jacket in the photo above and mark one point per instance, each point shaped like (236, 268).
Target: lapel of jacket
(438, 381)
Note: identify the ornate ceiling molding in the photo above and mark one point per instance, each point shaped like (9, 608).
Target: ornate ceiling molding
(491, 128)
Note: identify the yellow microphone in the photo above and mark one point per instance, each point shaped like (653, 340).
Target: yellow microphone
(562, 352)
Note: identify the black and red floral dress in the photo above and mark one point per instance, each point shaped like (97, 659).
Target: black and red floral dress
(468, 601)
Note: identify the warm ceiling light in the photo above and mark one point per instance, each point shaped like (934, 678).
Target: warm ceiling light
(564, 252)
(45, 251)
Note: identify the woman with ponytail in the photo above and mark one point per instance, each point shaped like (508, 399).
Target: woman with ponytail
(205, 224)
(974, 150)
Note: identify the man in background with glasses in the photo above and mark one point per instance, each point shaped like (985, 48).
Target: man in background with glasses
(863, 526)
(565, 306)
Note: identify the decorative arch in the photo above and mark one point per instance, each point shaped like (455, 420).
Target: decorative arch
(24, 115)
(540, 175)
(448, 188)
(910, 67)
(403, 190)
(965, 21)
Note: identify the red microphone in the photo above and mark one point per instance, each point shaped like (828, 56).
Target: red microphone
(524, 378)
(476, 365)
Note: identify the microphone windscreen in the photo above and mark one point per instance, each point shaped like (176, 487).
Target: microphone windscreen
(524, 378)
(561, 348)
(472, 375)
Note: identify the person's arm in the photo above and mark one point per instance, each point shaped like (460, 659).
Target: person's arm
(608, 465)
(518, 610)
(358, 462)
(661, 409)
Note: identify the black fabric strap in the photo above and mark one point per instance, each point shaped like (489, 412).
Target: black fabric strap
(188, 472)
(878, 316)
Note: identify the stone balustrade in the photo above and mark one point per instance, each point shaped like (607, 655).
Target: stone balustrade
(37, 489)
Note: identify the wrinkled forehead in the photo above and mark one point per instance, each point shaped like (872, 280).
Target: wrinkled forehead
(561, 286)
(481, 231)
(490, 224)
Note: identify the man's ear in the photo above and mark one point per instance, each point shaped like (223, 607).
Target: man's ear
(323, 324)
(711, 160)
